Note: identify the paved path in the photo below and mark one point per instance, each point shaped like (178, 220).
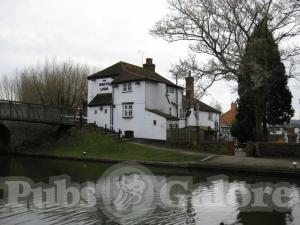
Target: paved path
(239, 162)
(172, 149)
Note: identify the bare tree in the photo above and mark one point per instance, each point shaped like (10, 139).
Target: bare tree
(7, 88)
(52, 83)
(220, 30)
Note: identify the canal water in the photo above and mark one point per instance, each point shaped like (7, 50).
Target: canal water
(209, 198)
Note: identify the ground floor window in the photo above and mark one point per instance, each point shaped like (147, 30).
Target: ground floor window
(127, 110)
(210, 116)
(181, 113)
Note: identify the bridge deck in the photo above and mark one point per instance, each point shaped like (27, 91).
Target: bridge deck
(20, 111)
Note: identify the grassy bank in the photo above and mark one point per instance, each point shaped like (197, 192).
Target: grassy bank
(101, 146)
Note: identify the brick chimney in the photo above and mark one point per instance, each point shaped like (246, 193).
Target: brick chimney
(149, 65)
(233, 106)
(189, 89)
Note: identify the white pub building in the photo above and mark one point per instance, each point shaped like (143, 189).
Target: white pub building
(143, 104)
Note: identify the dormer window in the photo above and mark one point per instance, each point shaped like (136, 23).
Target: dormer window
(127, 87)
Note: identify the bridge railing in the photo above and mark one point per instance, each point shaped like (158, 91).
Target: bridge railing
(20, 111)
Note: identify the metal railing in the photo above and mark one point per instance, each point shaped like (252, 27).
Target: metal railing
(28, 112)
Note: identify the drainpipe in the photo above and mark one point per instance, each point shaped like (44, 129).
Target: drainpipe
(177, 96)
(112, 110)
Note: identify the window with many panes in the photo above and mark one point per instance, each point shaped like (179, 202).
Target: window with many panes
(127, 87)
(127, 110)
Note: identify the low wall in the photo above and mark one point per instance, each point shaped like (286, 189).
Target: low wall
(274, 149)
(194, 138)
(222, 148)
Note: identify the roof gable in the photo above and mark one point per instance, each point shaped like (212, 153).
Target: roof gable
(124, 72)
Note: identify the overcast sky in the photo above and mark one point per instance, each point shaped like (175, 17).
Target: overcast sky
(96, 32)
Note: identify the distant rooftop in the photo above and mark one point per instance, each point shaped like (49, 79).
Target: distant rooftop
(228, 117)
(295, 123)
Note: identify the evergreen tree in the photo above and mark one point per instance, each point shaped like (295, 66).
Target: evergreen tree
(264, 97)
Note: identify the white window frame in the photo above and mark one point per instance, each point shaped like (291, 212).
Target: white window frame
(210, 116)
(127, 87)
(171, 90)
(127, 110)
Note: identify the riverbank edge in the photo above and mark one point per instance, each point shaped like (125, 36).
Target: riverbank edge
(208, 166)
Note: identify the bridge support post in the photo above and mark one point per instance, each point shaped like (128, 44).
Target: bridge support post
(5, 139)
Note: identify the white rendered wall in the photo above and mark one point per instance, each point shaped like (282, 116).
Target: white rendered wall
(203, 119)
(142, 121)
(182, 123)
(99, 86)
(101, 118)
(157, 98)
(137, 96)
(95, 88)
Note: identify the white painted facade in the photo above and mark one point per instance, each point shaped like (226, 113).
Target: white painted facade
(143, 95)
(99, 86)
(145, 107)
(99, 115)
(103, 112)
(205, 119)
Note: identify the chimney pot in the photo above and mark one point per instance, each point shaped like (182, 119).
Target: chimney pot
(233, 105)
(149, 65)
(149, 61)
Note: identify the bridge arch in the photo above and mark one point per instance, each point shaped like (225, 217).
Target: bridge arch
(5, 138)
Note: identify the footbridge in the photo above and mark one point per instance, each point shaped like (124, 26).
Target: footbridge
(36, 113)
(21, 122)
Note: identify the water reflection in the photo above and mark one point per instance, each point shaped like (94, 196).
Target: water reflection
(203, 204)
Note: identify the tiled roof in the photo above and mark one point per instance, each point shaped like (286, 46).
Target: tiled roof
(101, 99)
(165, 115)
(202, 106)
(228, 117)
(124, 72)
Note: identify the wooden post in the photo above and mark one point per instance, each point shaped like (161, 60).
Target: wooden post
(197, 137)
(28, 113)
(10, 109)
(80, 119)
(119, 134)
(105, 129)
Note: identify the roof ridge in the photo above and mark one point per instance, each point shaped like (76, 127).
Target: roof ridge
(149, 71)
(128, 71)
